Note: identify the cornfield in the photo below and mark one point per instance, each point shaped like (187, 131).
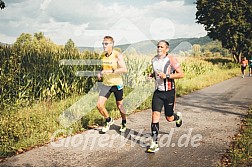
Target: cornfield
(32, 71)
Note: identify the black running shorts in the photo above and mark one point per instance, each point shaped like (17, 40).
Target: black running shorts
(164, 99)
(243, 68)
(107, 90)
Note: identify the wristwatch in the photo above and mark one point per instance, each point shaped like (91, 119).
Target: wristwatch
(167, 76)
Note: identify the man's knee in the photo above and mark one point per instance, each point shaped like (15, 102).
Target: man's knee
(120, 106)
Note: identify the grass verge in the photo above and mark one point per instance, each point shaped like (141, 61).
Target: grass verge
(240, 151)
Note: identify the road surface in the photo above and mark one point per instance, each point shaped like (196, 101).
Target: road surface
(211, 117)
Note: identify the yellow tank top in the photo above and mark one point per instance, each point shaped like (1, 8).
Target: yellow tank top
(109, 63)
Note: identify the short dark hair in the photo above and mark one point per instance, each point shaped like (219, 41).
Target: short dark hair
(164, 41)
(109, 37)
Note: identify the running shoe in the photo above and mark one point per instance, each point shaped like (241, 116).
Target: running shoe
(153, 147)
(123, 128)
(179, 121)
(107, 126)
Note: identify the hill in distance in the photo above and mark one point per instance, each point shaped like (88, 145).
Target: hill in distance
(149, 46)
(2, 44)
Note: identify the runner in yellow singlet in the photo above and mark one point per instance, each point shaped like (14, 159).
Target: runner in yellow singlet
(113, 66)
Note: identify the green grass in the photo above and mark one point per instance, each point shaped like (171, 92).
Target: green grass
(204, 72)
(24, 128)
(185, 86)
(240, 152)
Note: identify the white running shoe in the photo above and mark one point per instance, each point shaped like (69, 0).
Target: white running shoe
(153, 147)
(123, 128)
(107, 125)
(179, 121)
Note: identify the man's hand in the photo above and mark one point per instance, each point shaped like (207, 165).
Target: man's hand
(99, 76)
(161, 75)
(150, 76)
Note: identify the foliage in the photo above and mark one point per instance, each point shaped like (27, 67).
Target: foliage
(70, 47)
(2, 4)
(228, 21)
(204, 71)
(22, 129)
(31, 70)
(215, 47)
(136, 68)
(240, 152)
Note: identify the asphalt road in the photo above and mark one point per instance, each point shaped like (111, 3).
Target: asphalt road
(211, 117)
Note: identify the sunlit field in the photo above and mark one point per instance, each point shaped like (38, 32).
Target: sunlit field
(27, 123)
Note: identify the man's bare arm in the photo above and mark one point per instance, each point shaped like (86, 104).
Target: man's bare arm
(121, 65)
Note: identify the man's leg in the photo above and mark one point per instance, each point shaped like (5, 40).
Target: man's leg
(242, 70)
(155, 125)
(154, 132)
(119, 102)
(123, 115)
(121, 109)
(104, 94)
(169, 109)
(101, 106)
(157, 105)
(175, 117)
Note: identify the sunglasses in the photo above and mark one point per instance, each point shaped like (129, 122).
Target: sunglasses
(106, 43)
(160, 47)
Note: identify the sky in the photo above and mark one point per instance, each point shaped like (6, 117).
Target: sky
(86, 22)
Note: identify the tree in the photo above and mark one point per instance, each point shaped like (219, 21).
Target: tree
(23, 41)
(2, 4)
(229, 22)
(39, 35)
(70, 47)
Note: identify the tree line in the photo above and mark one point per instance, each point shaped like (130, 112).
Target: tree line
(229, 21)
